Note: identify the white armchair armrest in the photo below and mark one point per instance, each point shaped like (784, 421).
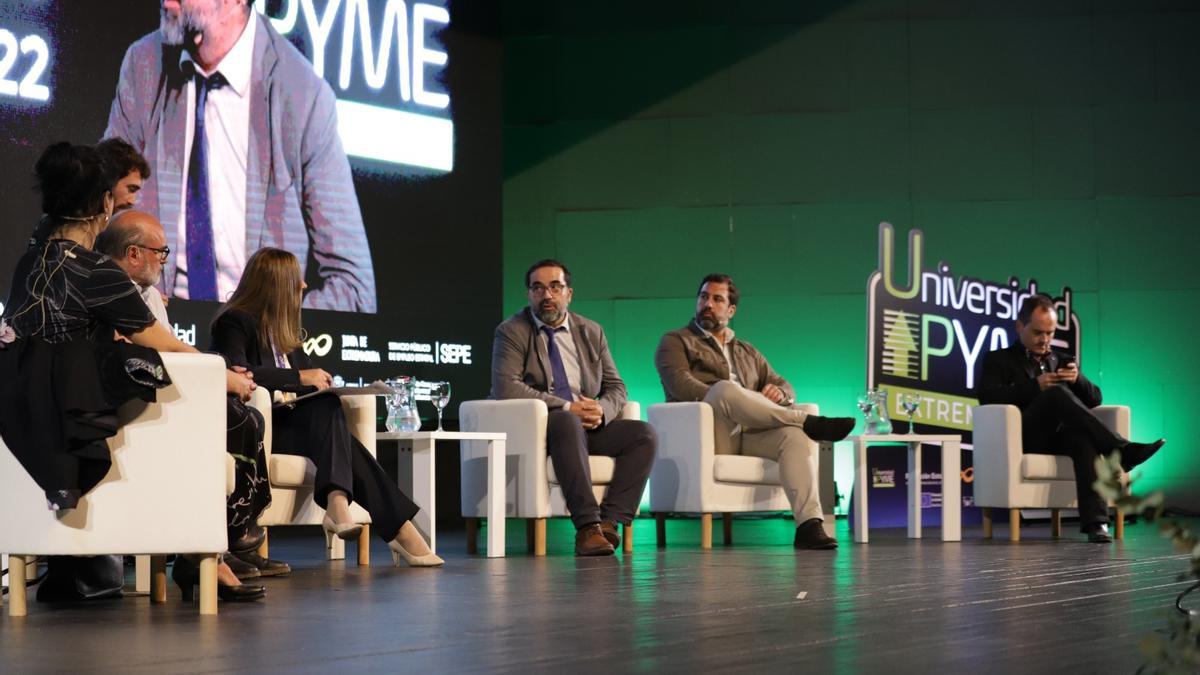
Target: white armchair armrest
(683, 466)
(1115, 417)
(997, 453)
(524, 420)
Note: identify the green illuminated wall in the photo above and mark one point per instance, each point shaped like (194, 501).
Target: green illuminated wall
(648, 143)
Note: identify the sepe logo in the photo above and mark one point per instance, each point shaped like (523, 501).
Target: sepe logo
(319, 345)
(929, 335)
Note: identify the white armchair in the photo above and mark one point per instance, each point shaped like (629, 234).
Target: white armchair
(292, 479)
(532, 489)
(689, 476)
(165, 492)
(1006, 478)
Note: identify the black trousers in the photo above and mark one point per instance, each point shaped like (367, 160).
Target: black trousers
(316, 428)
(630, 442)
(1058, 423)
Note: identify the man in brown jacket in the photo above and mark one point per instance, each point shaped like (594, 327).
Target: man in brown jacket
(752, 404)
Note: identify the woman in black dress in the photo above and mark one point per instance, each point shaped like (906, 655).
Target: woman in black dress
(259, 328)
(63, 374)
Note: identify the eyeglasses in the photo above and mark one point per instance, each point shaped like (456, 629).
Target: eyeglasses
(555, 288)
(163, 253)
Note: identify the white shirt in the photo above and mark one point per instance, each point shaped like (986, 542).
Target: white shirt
(154, 301)
(566, 349)
(733, 374)
(227, 126)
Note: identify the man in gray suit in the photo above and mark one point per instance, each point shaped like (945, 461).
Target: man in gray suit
(242, 138)
(752, 404)
(562, 358)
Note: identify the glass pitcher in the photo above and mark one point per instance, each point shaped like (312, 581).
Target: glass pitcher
(402, 406)
(874, 406)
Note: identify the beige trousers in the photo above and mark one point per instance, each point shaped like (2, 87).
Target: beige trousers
(747, 423)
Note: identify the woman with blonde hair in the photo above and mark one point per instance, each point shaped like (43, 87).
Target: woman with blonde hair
(259, 328)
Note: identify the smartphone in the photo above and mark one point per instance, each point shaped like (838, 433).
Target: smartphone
(1066, 363)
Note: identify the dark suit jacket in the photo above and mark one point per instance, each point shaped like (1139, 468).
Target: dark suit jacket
(1010, 377)
(689, 363)
(235, 336)
(521, 364)
(299, 190)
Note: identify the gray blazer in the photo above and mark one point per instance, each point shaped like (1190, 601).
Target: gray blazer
(521, 364)
(299, 189)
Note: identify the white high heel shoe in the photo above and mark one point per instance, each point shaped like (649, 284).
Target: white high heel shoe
(343, 532)
(428, 560)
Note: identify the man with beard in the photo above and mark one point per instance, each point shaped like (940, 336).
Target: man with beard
(242, 137)
(136, 242)
(133, 169)
(752, 404)
(548, 353)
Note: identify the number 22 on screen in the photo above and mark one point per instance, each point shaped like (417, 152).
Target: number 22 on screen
(29, 87)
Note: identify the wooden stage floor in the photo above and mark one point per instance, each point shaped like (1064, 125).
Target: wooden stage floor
(894, 606)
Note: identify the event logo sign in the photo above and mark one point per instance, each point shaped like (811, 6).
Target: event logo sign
(385, 62)
(929, 335)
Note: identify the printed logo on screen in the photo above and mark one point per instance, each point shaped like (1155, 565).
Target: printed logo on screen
(929, 336)
(385, 61)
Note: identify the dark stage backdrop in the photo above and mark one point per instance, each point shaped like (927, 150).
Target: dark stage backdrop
(420, 123)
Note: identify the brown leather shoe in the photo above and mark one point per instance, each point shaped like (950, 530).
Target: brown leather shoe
(811, 535)
(609, 528)
(590, 540)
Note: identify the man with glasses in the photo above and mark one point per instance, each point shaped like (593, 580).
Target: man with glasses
(135, 240)
(548, 353)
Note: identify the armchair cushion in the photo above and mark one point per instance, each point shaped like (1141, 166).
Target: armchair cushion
(602, 470)
(292, 470)
(1047, 467)
(745, 469)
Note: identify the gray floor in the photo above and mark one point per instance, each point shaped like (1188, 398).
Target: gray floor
(891, 606)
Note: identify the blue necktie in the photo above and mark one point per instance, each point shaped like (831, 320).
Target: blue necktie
(201, 257)
(561, 386)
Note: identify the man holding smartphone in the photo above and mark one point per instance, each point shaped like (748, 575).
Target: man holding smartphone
(1056, 402)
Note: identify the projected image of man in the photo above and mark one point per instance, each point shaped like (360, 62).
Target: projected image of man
(1056, 402)
(242, 138)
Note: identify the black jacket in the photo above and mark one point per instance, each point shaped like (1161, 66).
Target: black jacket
(1010, 377)
(235, 336)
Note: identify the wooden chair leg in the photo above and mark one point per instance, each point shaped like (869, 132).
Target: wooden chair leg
(1014, 524)
(706, 530)
(141, 574)
(472, 536)
(264, 549)
(16, 585)
(987, 522)
(539, 536)
(208, 584)
(660, 530)
(158, 578)
(727, 528)
(1055, 523)
(627, 538)
(364, 545)
(1119, 531)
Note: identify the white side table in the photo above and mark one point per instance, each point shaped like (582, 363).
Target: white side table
(951, 481)
(425, 484)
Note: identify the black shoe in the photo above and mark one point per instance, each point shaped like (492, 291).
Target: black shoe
(186, 575)
(827, 428)
(811, 535)
(1097, 533)
(266, 567)
(1134, 454)
(241, 569)
(250, 540)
